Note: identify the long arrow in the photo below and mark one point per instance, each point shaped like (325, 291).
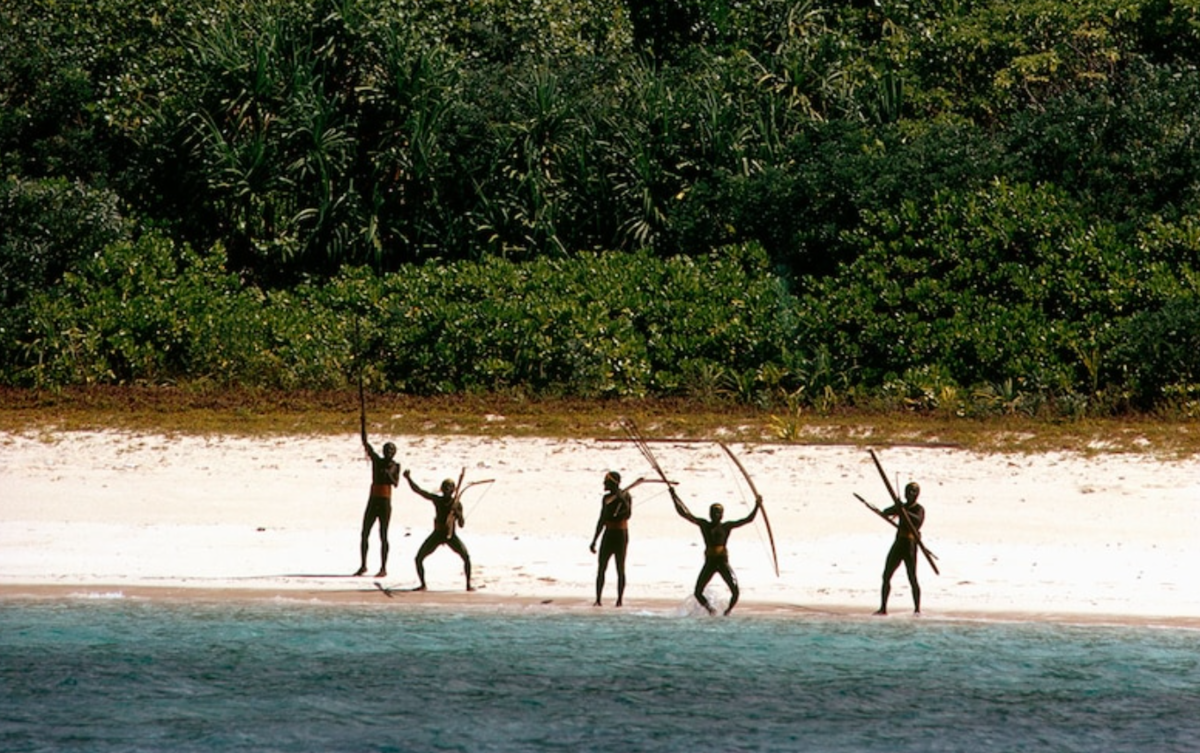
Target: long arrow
(758, 497)
(640, 442)
(879, 512)
(362, 399)
(904, 512)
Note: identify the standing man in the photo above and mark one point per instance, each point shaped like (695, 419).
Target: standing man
(716, 556)
(448, 517)
(909, 516)
(615, 511)
(385, 474)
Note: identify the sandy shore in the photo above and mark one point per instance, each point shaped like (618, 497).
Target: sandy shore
(1047, 537)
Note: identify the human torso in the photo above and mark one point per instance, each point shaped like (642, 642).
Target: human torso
(909, 519)
(385, 474)
(716, 535)
(447, 512)
(617, 510)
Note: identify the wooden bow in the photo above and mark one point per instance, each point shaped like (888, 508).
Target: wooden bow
(761, 508)
(929, 557)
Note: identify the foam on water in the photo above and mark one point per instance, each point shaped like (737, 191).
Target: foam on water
(117, 674)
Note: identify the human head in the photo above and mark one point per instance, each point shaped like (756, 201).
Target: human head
(716, 512)
(612, 480)
(389, 450)
(447, 487)
(912, 491)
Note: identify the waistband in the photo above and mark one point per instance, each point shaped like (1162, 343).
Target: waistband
(616, 525)
(381, 490)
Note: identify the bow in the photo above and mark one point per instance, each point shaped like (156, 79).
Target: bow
(757, 496)
(929, 556)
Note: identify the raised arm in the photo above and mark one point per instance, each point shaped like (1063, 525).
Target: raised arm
(682, 508)
(413, 485)
(749, 518)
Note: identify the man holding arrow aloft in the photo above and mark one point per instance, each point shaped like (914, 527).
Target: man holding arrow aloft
(385, 474)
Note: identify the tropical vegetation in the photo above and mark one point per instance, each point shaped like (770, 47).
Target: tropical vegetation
(969, 206)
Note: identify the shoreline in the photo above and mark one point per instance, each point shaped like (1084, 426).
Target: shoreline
(480, 601)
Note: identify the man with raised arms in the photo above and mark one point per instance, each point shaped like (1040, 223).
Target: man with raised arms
(716, 557)
(448, 517)
(615, 511)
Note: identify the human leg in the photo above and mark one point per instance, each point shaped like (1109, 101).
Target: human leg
(385, 518)
(368, 521)
(706, 574)
(433, 541)
(619, 554)
(461, 549)
(730, 579)
(910, 565)
(601, 567)
(894, 558)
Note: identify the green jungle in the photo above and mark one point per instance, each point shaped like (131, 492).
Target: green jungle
(952, 208)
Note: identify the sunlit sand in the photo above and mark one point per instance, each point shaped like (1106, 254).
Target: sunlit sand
(1052, 537)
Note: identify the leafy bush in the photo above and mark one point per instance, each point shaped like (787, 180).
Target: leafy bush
(602, 325)
(49, 226)
(1160, 353)
(1006, 283)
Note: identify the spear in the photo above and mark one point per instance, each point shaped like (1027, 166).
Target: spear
(904, 512)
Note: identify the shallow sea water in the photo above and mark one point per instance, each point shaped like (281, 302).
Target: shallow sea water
(123, 675)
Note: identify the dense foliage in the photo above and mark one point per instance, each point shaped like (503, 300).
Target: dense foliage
(962, 205)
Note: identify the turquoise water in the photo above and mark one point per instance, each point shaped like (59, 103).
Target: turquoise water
(121, 675)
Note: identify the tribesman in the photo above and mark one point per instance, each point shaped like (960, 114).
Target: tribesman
(448, 518)
(615, 511)
(909, 516)
(716, 557)
(385, 474)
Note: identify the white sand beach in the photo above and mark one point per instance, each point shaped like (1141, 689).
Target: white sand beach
(1109, 538)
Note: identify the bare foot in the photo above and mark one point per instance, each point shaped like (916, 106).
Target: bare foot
(470, 588)
(881, 613)
(619, 604)
(361, 571)
(597, 603)
(420, 587)
(381, 574)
